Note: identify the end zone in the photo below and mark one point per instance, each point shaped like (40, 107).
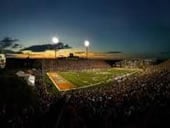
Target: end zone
(60, 83)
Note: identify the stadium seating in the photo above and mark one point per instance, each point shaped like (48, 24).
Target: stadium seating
(136, 99)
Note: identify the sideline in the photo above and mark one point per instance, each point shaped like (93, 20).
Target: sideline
(63, 85)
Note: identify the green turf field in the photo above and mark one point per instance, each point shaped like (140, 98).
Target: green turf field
(93, 77)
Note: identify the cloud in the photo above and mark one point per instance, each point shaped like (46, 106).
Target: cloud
(8, 42)
(16, 45)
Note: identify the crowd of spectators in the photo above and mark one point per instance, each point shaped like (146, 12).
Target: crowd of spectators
(74, 64)
(108, 106)
(18, 103)
(121, 101)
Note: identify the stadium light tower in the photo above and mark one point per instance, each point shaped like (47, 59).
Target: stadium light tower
(86, 44)
(55, 40)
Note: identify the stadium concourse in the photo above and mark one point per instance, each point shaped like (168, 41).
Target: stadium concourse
(142, 100)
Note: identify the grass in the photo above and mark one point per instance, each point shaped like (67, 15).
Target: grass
(92, 77)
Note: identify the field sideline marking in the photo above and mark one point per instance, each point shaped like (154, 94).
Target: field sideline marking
(95, 84)
(75, 88)
(53, 81)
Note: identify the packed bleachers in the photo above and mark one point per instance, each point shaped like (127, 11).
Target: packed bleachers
(133, 102)
(72, 64)
(122, 101)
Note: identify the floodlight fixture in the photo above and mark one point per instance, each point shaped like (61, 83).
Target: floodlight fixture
(55, 40)
(86, 44)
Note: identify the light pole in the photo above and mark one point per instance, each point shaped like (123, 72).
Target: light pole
(55, 40)
(86, 44)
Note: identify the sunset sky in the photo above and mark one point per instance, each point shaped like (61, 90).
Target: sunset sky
(137, 26)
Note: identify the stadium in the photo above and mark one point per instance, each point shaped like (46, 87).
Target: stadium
(87, 92)
(85, 64)
(95, 74)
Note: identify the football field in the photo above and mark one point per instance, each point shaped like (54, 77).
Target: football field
(85, 78)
